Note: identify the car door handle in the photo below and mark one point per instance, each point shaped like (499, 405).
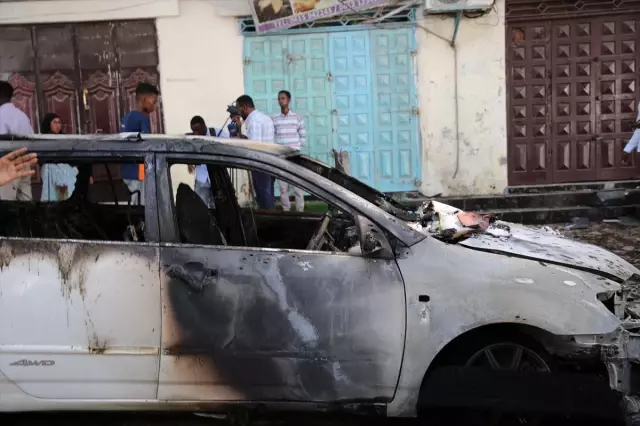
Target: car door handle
(193, 274)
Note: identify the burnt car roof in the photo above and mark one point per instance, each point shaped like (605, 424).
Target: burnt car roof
(134, 142)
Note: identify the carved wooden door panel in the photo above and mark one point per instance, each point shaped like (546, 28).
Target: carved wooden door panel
(595, 98)
(58, 77)
(617, 95)
(99, 78)
(574, 51)
(99, 85)
(572, 97)
(529, 83)
(138, 61)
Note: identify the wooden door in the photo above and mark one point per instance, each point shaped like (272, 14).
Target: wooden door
(572, 99)
(57, 75)
(98, 78)
(137, 56)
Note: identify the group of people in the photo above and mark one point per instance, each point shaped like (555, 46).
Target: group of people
(286, 128)
(58, 179)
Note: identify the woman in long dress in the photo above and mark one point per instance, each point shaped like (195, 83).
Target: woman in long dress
(58, 180)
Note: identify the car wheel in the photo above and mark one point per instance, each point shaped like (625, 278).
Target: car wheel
(506, 353)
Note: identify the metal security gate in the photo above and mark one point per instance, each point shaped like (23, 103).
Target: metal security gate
(573, 94)
(356, 91)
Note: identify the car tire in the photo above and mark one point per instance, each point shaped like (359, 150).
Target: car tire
(469, 353)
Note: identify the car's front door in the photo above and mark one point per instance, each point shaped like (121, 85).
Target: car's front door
(79, 306)
(254, 323)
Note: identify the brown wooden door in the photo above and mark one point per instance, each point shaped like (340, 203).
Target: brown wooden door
(138, 63)
(57, 75)
(98, 78)
(572, 96)
(86, 73)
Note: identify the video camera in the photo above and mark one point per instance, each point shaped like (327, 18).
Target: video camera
(233, 110)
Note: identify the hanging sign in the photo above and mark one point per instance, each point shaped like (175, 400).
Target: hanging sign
(274, 15)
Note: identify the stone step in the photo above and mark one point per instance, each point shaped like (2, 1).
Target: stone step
(619, 197)
(569, 187)
(546, 215)
(551, 207)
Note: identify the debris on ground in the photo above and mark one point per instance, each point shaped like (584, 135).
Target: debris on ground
(578, 223)
(611, 196)
(621, 238)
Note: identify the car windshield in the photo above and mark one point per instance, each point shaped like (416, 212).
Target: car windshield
(385, 202)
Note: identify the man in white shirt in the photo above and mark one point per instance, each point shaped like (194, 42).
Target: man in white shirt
(290, 131)
(14, 122)
(203, 184)
(258, 127)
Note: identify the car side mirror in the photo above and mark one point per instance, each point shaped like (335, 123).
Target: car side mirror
(373, 242)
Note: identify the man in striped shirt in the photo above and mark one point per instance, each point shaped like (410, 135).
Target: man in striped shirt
(290, 131)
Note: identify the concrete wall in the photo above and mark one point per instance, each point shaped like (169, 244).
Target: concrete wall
(42, 12)
(201, 67)
(482, 146)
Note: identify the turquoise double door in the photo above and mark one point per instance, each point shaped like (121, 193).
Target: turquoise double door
(356, 91)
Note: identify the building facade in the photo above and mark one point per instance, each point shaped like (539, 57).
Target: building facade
(505, 104)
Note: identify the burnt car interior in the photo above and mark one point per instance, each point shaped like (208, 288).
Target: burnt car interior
(229, 224)
(98, 209)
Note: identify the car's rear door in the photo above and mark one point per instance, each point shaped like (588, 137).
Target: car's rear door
(79, 313)
(262, 324)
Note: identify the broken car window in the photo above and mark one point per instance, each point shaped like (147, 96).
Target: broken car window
(83, 199)
(243, 208)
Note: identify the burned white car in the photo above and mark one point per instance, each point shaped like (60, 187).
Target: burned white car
(153, 301)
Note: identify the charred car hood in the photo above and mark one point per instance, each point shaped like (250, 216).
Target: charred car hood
(544, 246)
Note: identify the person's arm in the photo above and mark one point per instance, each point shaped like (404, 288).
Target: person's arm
(302, 132)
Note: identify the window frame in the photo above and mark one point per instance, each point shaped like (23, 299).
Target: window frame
(152, 233)
(169, 233)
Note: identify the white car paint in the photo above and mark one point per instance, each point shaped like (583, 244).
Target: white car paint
(79, 321)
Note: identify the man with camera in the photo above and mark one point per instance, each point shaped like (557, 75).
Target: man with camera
(258, 127)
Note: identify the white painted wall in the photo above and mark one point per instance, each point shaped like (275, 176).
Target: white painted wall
(42, 12)
(201, 68)
(200, 65)
(482, 147)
